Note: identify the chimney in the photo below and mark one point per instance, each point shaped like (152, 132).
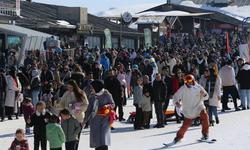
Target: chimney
(29, 1)
(73, 15)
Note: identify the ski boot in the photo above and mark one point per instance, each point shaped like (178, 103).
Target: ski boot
(176, 140)
(204, 137)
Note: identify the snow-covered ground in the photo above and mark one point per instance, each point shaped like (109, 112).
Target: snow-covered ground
(232, 133)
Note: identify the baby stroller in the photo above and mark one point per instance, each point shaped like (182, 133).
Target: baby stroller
(131, 118)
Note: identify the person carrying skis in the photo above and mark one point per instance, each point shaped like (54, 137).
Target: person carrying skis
(192, 96)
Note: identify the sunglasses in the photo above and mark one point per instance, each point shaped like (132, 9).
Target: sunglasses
(179, 72)
(189, 80)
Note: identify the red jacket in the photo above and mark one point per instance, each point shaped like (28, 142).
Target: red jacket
(24, 145)
(176, 84)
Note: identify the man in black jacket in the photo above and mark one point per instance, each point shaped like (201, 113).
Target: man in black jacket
(113, 85)
(169, 83)
(3, 88)
(178, 66)
(47, 79)
(148, 70)
(159, 95)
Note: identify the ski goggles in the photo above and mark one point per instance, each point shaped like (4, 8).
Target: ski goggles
(188, 80)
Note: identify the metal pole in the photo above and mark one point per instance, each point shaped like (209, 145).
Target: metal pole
(121, 32)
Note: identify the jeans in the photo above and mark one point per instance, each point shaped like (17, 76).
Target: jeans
(34, 96)
(245, 93)
(212, 110)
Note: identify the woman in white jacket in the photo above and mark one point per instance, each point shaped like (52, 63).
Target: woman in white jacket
(213, 87)
(14, 87)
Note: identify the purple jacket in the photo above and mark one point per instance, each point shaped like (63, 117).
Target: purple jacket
(24, 145)
(28, 110)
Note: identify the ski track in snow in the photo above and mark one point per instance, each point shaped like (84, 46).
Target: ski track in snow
(232, 133)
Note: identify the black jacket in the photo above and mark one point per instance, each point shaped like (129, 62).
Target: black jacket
(47, 77)
(86, 67)
(3, 83)
(148, 87)
(169, 82)
(135, 75)
(79, 77)
(244, 79)
(36, 84)
(160, 91)
(114, 87)
(39, 123)
(148, 70)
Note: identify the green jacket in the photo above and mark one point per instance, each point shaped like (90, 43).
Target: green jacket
(55, 135)
(70, 127)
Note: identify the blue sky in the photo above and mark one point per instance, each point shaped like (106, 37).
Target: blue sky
(95, 6)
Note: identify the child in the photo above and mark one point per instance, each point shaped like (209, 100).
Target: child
(19, 143)
(28, 110)
(71, 128)
(55, 134)
(39, 120)
(146, 108)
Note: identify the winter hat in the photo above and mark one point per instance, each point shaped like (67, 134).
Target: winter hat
(35, 73)
(135, 66)
(97, 85)
(119, 67)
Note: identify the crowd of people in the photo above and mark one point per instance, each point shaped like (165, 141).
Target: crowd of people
(77, 88)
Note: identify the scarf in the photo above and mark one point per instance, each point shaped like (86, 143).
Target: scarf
(210, 84)
(96, 103)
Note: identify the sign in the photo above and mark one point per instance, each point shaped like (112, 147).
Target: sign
(84, 29)
(52, 44)
(18, 7)
(155, 29)
(196, 25)
(108, 38)
(13, 39)
(148, 38)
(127, 17)
(222, 26)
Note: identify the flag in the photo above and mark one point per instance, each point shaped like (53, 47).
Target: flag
(227, 44)
(169, 30)
(148, 38)
(196, 25)
(108, 38)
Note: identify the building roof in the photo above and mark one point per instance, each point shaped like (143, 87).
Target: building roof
(214, 14)
(231, 3)
(35, 14)
(20, 31)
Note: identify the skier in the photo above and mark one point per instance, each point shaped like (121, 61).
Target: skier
(192, 96)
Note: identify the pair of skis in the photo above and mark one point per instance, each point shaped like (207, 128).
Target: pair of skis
(184, 140)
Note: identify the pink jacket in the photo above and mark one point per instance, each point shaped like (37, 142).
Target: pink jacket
(24, 145)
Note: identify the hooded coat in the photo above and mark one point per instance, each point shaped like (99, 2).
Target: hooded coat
(55, 135)
(100, 125)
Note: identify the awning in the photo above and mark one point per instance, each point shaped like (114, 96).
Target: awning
(20, 31)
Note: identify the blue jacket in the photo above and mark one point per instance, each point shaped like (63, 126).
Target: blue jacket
(105, 62)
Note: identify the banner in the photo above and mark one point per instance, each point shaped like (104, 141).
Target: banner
(108, 38)
(244, 51)
(148, 38)
(227, 44)
(169, 31)
(196, 25)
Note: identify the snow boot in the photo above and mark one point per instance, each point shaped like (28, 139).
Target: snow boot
(211, 122)
(27, 131)
(204, 137)
(176, 140)
(217, 120)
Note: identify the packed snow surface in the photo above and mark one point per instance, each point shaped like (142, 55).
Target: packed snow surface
(232, 133)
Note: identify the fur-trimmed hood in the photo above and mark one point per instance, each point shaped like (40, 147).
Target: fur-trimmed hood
(105, 92)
